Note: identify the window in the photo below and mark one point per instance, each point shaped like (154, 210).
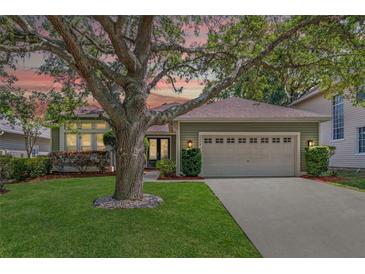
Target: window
(85, 142)
(71, 142)
(265, 140)
(86, 125)
(164, 150)
(207, 140)
(99, 142)
(230, 140)
(253, 140)
(71, 126)
(241, 140)
(35, 150)
(219, 140)
(100, 125)
(337, 118)
(276, 140)
(361, 138)
(287, 140)
(153, 149)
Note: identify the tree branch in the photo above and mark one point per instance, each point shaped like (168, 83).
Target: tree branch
(119, 44)
(240, 67)
(143, 40)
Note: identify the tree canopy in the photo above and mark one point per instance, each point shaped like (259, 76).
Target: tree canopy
(280, 55)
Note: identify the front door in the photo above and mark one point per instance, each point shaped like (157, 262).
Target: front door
(159, 149)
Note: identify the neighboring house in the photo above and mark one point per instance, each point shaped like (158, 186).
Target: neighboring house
(12, 141)
(345, 130)
(237, 137)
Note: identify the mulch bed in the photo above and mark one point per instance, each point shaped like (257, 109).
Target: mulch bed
(180, 178)
(327, 179)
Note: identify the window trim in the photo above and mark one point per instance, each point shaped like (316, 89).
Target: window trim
(358, 141)
(332, 118)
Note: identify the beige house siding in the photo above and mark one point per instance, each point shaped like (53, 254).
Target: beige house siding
(14, 144)
(346, 154)
(308, 131)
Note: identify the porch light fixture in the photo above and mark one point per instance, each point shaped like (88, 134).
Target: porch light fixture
(190, 144)
(310, 143)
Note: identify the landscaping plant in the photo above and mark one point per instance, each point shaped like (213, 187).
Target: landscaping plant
(80, 160)
(191, 161)
(317, 159)
(166, 167)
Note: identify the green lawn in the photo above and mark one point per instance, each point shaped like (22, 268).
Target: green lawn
(56, 219)
(352, 179)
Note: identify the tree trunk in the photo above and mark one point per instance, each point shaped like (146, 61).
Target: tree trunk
(129, 164)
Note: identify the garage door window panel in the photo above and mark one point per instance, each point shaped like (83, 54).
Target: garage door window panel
(253, 140)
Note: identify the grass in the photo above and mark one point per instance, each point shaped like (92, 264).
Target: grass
(56, 219)
(352, 179)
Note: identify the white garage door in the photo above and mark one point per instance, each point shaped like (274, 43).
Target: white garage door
(248, 155)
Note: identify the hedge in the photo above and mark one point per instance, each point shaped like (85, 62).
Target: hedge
(317, 159)
(81, 160)
(20, 169)
(191, 161)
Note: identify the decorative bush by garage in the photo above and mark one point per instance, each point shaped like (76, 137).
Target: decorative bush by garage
(191, 163)
(317, 159)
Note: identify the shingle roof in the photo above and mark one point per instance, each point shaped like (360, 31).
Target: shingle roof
(242, 109)
(5, 126)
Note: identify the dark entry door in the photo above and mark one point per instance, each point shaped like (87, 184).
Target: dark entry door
(159, 149)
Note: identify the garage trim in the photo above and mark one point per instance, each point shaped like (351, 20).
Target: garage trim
(295, 134)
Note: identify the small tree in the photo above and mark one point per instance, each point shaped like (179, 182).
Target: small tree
(22, 109)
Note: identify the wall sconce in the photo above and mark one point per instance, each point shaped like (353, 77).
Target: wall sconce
(190, 144)
(310, 143)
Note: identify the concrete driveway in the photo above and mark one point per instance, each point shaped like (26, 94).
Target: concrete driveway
(295, 217)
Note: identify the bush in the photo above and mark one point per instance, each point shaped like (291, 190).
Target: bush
(6, 167)
(24, 168)
(81, 160)
(317, 159)
(109, 139)
(191, 161)
(166, 167)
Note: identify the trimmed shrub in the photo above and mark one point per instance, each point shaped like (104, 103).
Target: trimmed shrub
(109, 139)
(24, 168)
(317, 159)
(166, 168)
(6, 167)
(20, 169)
(191, 161)
(38, 166)
(81, 160)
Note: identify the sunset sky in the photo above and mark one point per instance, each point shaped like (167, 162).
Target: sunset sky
(29, 79)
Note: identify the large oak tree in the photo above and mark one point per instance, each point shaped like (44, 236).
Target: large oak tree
(120, 59)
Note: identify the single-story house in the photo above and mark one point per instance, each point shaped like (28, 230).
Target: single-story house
(237, 137)
(345, 130)
(12, 141)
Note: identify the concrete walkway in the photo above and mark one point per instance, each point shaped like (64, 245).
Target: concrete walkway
(295, 217)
